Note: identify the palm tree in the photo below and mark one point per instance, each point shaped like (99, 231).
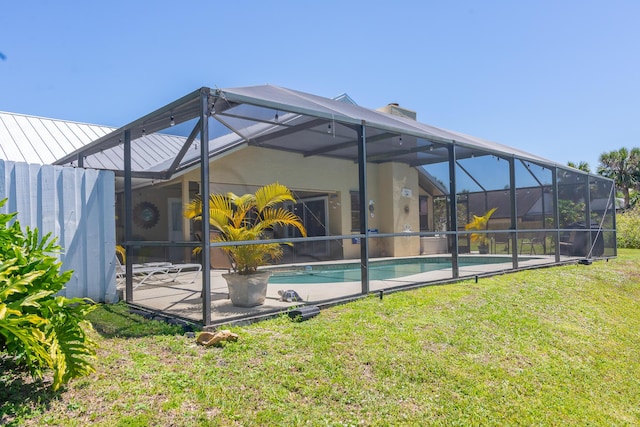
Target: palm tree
(248, 217)
(623, 166)
(583, 166)
(480, 223)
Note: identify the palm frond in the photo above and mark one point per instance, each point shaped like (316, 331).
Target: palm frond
(123, 254)
(246, 218)
(480, 223)
(272, 194)
(220, 211)
(280, 216)
(193, 209)
(244, 202)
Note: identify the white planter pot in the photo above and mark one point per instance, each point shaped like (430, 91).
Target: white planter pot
(247, 290)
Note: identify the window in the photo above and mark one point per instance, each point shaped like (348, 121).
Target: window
(440, 213)
(355, 211)
(423, 201)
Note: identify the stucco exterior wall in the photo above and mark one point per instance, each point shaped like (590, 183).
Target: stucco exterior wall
(399, 184)
(244, 170)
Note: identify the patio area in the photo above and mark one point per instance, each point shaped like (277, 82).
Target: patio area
(182, 298)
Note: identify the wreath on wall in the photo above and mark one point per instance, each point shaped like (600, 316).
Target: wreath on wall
(146, 214)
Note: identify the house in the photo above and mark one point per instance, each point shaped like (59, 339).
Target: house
(368, 183)
(250, 148)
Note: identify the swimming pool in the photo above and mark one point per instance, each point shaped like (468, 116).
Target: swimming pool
(378, 270)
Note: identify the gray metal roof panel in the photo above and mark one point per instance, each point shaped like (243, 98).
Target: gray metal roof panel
(8, 146)
(41, 140)
(20, 149)
(49, 131)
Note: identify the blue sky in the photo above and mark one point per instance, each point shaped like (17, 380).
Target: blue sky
(557, 78)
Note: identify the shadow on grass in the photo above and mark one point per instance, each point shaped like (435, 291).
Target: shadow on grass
(119, 320)
(20, 394)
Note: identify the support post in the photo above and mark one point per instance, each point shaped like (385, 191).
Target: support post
(556, 211)
(612, 199)
(128, 217)
(364, 219)
(514, 211)
(204, 187)
(587, 221)
(453, 209)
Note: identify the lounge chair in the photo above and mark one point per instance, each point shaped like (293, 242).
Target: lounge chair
(179, 268)
(151, 270)
(141, 271)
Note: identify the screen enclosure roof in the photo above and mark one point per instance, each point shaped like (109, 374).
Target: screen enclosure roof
(282, 119)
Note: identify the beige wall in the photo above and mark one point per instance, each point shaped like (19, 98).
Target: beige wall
(244, 170)
(159, 197)
(399, 212)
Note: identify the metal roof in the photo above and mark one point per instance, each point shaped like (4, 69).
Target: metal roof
(42, 141)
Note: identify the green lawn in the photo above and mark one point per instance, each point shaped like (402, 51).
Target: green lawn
(556, 346)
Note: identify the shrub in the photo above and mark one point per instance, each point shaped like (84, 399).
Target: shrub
(37, 328)
(628, 228)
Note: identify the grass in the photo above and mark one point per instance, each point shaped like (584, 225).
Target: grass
(556, 346)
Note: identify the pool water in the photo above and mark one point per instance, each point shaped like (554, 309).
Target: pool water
(381, 270)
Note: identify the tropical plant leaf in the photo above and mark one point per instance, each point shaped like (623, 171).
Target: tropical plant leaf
(16, 285)
(271, 195)
(73, 352)
(272, 217)
(247, 218)
(480, 223)
(40, 330)
(193, 210)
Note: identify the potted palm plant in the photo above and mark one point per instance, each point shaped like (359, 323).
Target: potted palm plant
(244, 218)
(480, 223)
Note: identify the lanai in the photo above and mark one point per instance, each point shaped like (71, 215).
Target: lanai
(213, 123)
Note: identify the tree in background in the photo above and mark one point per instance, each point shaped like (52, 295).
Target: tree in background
(623, 166)
(583, 166)
(628, 228)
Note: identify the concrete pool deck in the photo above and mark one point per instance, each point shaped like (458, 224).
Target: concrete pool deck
(181, 298)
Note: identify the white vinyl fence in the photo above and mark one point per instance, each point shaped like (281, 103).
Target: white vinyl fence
(78, 207)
